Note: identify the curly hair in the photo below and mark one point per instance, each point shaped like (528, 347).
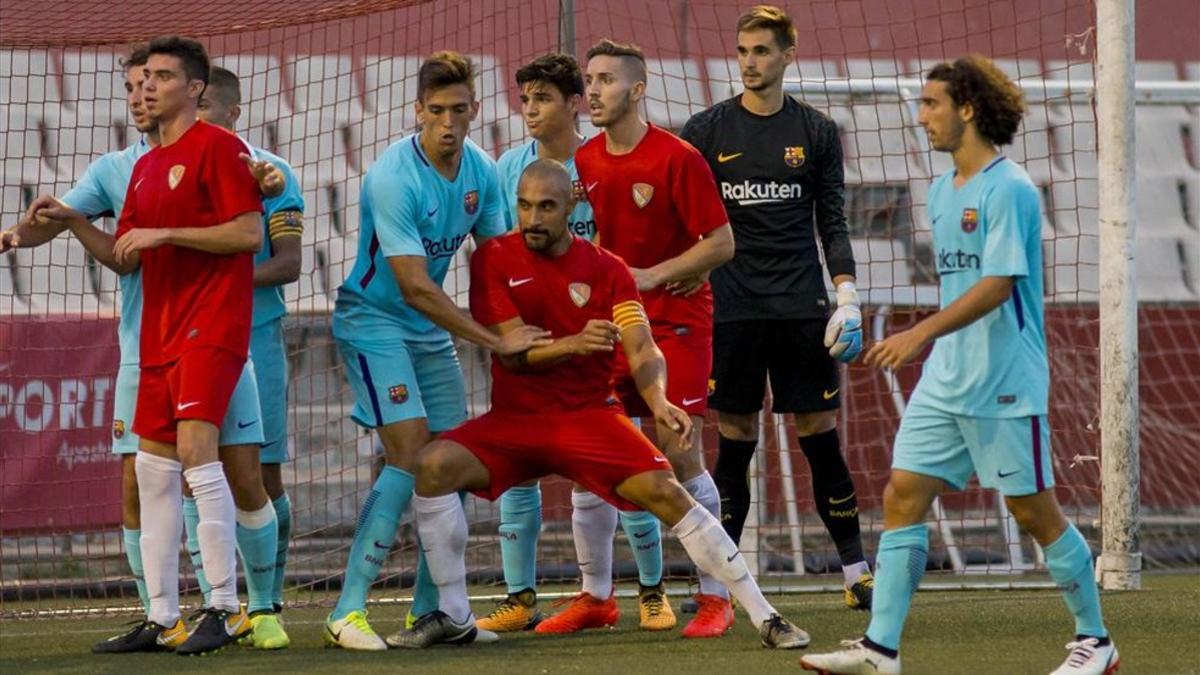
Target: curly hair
(997, 101)
(559, 70)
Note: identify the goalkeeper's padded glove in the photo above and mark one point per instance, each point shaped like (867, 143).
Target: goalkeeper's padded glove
(843, 333)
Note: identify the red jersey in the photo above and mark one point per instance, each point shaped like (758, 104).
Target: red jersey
(561, 295)
(651, 205)
(191, 298)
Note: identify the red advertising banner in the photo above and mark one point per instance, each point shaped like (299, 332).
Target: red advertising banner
(57, 380)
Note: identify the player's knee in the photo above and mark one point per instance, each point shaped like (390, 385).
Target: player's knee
(435, 471)
(662, 495)
(811, 424)
(1039, 515)
(906, 499)
(738, 427)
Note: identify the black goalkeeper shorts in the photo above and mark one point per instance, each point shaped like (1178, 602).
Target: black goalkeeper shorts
(792, 352)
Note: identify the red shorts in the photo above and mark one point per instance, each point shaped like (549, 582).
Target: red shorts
(689, 364)
(196, 387)
(598, 449)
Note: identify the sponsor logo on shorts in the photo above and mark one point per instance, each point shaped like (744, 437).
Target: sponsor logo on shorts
(827, 394)
(642, 194)
(692, 401)
(471, 202)
(580, 293)
(1006, 399)
(1001, 474)
(174, 176)
(970, 220)
(185, 406)
(243, 425)
(118, 428)
(794, 156)
(398, 393)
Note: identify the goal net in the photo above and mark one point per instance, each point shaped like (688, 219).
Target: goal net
(329, 86)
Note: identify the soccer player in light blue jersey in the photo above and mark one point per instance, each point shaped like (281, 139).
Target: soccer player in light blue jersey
(551, 90)
(99, 192)
(980, 406)
(393, 322)
(263, 540)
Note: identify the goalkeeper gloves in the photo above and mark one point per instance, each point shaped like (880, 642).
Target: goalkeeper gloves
(843, 333)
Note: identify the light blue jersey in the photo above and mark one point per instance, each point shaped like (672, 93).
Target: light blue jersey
(101, 191)
(409, 209)
(268, 300)
(990, 226)
(582, 221)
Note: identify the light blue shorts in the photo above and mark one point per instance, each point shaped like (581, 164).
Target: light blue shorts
(269, 354)
(243, 419)
(124, 441)
(396, 380)
(1011, 455)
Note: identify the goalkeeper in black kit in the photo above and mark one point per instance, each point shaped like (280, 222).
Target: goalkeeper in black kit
(778, 162)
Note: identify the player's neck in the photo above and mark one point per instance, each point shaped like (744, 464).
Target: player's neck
(765, 102)
(445, 164)
(621, 137)
(152, 139)
(970, 158)
(171, 130)
(561, 147)
(559, 248)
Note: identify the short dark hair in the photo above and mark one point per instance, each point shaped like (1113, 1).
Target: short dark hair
(997, 101)
(774, 19)
(624, 50)
(560, 70)
(444, 69)
(139, 54)
(190, 52)
(225, 84)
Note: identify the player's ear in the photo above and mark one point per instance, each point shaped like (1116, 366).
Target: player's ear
(234, 113)
(966, 112)
(474, 110)
(638, 92)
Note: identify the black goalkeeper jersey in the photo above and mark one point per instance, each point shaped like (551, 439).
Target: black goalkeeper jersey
(777, 175)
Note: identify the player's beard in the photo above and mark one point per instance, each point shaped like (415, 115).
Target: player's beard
(616, 111)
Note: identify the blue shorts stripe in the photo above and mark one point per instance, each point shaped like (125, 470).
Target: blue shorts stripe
(1036, 426)
(362, 363)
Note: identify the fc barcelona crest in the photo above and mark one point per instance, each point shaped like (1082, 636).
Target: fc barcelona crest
(642, 194)
(794, 156)
(970, 220)
(580, 293)
(471, 202)
(175, 175)
(579, 192)
(118, 428)
(398, 394)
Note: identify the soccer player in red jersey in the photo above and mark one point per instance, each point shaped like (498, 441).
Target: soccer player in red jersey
(554, 410)
(192, 221)
(657, 207)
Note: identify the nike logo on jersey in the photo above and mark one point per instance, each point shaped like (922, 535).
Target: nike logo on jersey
(830, 394)
(431, 213)
(591, 186)
(138, 184)
(842, 500)
(1001, 474)
(692, 401)
(722, 157)
(660, 459)
(243, 425)
(185, 406)
(513, 283)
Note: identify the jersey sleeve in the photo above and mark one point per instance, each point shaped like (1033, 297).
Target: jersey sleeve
(694, 193)
(231, 187)
(283, 213)
(128, 218)
(395, 203)
(492, 220)
(696, 130)
(1012, 214)
(830, 200)
(490, 301)
(88, 196)
(508, 197)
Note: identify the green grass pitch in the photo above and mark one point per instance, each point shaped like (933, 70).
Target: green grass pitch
(948, 632)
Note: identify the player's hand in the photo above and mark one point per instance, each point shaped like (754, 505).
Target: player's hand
(647, 279)
(48, 211)
(520, 340)
(9, 240)
(271, 180)
(688, 286)
(138, 239)
(897, 349)
(678, 421)
(597, 336)
(843, 333)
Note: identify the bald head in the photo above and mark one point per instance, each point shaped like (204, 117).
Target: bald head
(544, 202)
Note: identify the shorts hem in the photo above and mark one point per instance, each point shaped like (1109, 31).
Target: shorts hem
(925, 471)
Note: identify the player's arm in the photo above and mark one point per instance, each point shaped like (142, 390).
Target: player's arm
(243, 234)
(843, 331)
(48, 216)
(283, 267)
(596, 337)
(272, 181)
(422, 294)
(29, 232)
(985, 296)
(649, 371)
